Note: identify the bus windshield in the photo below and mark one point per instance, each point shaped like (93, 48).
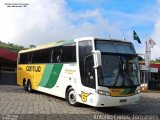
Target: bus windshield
(120, 70)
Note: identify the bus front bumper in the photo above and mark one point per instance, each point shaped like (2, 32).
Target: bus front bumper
(108, 101)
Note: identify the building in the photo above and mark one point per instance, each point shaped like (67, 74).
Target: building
(150, 76)
(8, 61)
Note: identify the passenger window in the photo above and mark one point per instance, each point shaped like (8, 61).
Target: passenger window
(56, 55)
(42, 56)
(69, 53)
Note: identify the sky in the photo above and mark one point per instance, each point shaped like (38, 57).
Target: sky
(46, 21)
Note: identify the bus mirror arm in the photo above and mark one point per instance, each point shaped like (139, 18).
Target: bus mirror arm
(97, 58)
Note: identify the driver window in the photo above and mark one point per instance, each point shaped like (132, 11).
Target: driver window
(89, 72)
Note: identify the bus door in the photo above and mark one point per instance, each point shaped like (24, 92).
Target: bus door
(87, 71)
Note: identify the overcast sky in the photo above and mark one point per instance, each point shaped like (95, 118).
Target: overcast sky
(51, 20)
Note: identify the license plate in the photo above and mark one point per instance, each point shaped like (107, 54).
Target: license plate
(123, 100)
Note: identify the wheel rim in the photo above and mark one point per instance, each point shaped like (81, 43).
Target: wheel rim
(72, 97)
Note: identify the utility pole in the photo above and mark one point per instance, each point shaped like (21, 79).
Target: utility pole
(147, 62)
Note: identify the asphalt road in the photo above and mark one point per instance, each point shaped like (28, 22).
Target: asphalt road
(15, 104)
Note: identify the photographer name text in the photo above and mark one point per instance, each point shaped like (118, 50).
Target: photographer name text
(16, 4)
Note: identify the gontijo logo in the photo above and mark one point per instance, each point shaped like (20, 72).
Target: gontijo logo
(116, 90)
(33, 68)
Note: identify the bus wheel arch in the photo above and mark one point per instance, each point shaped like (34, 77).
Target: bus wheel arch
(68, 87)
(71, 97)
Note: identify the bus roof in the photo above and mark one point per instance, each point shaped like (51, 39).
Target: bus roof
(65, 42)
(116, 40)
(49, 45)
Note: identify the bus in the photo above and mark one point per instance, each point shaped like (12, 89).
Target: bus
(92, 71)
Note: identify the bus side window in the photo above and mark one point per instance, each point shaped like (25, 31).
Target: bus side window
(29, 58)
(68, 53)
(23, 58)
(56, 55)
(41, 56)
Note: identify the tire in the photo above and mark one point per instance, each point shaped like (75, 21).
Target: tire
(25, 85)
(29, 86)
(71, 97)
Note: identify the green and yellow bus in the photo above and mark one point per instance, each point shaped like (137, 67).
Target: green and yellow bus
(93, 71)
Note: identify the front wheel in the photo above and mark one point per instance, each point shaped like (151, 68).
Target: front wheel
(71, 97)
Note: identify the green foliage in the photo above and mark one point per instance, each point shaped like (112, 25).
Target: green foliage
(11, 46)
(157, 59)
(32, 46)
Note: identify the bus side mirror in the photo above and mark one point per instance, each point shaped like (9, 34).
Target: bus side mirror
(97, 58)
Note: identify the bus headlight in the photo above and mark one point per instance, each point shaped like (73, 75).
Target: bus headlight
(137, 91)
(102, 92)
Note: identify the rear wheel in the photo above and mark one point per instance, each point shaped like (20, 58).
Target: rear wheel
(71, 97)
(24, 85)
(29, 86)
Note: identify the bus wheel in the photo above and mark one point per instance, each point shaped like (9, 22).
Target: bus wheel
(71, 97)
(29, 86)
(25, 85)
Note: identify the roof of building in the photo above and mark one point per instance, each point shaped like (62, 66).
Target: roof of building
(8, 55)
(153, 65)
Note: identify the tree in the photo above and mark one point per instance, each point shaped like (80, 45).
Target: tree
(32, 46)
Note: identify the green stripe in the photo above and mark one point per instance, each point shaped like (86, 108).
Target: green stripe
(128, 91)
(46, 75)
(125, 91)
(132, 90)
(68, 42)
(53, 76)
